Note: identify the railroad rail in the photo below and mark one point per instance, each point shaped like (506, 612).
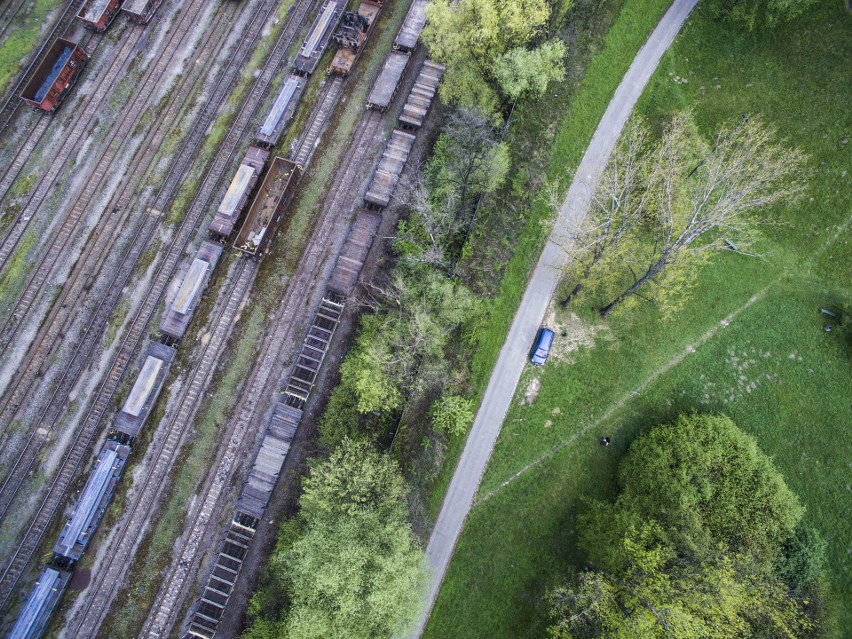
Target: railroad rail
(197, 209)
(109, 385)
(23, 385)
(254, 404)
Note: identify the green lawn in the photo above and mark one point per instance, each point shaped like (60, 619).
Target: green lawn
(772, 368)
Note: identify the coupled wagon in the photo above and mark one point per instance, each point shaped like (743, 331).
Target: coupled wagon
(144, 393)
(385, 86)
(320, 35)
(409, 32)
(55, 75)
(268, 208)
(239, 190)
(281, 112)
(180, 311)
(98, 14)
(35, 615)
(352, 35)
(141, 11)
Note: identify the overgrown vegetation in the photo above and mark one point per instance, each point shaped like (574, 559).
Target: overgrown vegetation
(693, 546)
(22, 38)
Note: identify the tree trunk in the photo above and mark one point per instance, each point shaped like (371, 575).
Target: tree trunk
(570, 297)
(651, 272)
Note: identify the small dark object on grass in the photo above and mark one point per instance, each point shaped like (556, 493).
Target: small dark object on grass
(605, 441)
(828, 329)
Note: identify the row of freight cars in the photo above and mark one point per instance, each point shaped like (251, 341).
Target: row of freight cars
(62, 63)
(253, 239)
(274, 446)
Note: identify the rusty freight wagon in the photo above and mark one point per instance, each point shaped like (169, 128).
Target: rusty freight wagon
(351, 37)
(389, 169)
(97, 14)
(239, 190)
(409, 32)
(281, 112)
(385, 86)
(141, 11)
(319, 37)
(422, 94)
(268, 208)
(55, 75)
(354, 252)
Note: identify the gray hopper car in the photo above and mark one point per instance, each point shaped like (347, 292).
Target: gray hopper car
(93, 501)
(144, 392)
(281, 112)
(238, 192)
(179, 312)
(34, 616)
(141, 11)
(319, 36)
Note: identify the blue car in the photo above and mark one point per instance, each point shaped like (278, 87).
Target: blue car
(541, 346)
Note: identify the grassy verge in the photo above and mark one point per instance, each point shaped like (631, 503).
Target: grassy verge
(750, 344)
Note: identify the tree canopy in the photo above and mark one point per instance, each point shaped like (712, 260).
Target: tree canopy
(702, 541)
(350, 567)
(470, 36)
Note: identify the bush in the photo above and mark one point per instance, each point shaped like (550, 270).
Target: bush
(453, 414)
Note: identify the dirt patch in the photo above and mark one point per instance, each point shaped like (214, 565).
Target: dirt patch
(532, 391)
(572, 333)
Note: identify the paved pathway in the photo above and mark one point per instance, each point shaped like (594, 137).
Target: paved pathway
(513, 355)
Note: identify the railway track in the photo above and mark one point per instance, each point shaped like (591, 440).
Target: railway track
(23, 384)
(135, 333)
(265, 379)
(101, 591)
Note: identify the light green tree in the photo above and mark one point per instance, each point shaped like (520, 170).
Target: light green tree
(356, 570)
(468, 36)
(452, 414)
(520, 72)
(656, 595)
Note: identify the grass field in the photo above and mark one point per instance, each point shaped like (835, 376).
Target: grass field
(749, 344)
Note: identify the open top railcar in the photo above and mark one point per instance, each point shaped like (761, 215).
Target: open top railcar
(55, 75)
(352, 35)
(179, 312)
(386, 84)
(145, 390)
(319, 37)
(409, 32)
(268, 208)
(98, 14)
(422, 94)
(141, 11)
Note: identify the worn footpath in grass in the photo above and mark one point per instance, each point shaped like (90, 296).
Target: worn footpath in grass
(760, 352)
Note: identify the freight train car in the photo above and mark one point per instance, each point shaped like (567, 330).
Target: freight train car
(354, 252)
(385, 86)
(319, 37)
(93, 501)
(422, 94)
(55, 75)
(179, 312)
(33, 618)
(98, 14)
(144, 392)
(268, 208)
(409, 32)
(141, 11)
(282, 110)
(351, 37)
(239, 190)
(389, 169)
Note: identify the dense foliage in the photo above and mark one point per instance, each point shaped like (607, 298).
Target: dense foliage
(350, 566)
(491, 49)
(704, 540)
